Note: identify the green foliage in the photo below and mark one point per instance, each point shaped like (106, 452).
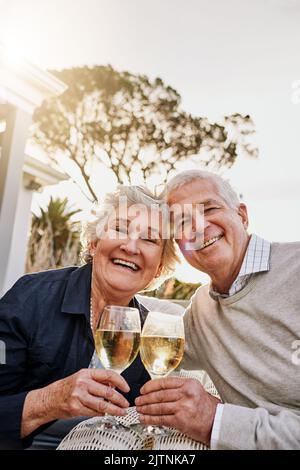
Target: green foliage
(174, 289)
(55, 238)
(132, 125)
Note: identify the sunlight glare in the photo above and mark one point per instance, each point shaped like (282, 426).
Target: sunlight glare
(15, 47)
(12, 57)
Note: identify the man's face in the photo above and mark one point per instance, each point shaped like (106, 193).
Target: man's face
(221, 232)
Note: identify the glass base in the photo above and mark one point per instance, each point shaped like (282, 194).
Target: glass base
(108, 423)
(149, 430)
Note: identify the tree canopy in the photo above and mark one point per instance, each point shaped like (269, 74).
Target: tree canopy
(132, 125)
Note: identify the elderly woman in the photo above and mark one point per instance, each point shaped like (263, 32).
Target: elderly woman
(47, 321)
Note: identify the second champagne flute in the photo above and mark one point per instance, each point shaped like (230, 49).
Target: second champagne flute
(161, 350)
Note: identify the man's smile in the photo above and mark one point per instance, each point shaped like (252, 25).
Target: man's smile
(210, 241)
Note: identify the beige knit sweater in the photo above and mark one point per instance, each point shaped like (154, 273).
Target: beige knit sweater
(247, 344)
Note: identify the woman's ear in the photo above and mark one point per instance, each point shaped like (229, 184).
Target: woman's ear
(92, 247)
(159, 270)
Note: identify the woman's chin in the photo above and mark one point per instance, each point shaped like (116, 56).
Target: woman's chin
(126, 284)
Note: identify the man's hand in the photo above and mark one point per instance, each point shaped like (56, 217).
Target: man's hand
(178, 403)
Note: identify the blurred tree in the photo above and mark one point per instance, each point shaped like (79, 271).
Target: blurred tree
(132, 125)
(174, 289)
(54, 239)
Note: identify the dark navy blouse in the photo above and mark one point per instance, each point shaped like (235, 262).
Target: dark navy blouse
(44, 325)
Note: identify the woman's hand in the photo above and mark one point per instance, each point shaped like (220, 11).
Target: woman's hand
(88, 392)
(78, 394)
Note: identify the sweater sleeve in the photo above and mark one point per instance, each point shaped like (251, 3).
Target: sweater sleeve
(255, 429)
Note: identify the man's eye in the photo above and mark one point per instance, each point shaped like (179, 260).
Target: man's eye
(184, 222)
(120, 229)
(210, 209)
(180, 227)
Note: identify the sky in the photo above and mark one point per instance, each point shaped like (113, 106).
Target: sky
(222, 56)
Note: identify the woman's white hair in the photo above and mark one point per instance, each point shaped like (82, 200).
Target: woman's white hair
(92, 231)
(188, 176)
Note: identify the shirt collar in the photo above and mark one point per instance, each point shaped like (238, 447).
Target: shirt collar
(256, 259)
(78, 291)
(78, 294)
(257, 256)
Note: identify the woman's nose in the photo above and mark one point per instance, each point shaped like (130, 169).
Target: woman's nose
(131, 245)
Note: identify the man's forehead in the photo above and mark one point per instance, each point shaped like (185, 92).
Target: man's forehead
(202, 203)
(196, 192)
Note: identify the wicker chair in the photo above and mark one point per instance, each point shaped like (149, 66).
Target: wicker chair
(85, 437)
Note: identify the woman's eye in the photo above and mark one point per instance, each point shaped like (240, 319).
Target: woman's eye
(210, 209)
(150, 240)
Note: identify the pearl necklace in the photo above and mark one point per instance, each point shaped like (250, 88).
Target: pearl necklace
(93, 361)
(91, 315)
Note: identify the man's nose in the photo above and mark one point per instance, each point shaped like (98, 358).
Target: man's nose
(200, 224)
(206, 223)
(131, 245)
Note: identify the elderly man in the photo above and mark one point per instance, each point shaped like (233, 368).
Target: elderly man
(243, 329)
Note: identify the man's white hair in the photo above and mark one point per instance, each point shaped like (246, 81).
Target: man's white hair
(188, 176)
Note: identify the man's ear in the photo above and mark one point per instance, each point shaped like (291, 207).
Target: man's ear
(243, 213)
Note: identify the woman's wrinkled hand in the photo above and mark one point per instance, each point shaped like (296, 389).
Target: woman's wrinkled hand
(89, 392)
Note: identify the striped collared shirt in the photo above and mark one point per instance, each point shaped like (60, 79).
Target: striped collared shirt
(256, 259)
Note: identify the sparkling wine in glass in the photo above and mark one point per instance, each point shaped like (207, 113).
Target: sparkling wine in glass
(161, 350)
(117, 340)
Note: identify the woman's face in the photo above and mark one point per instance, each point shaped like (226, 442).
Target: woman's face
(128, 255)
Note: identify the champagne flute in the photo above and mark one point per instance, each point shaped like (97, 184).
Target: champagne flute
(161, 350)
(117, 339)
